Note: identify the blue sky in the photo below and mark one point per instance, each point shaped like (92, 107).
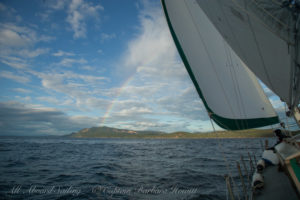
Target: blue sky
(72, 64)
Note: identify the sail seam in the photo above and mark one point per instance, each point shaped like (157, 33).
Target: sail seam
(233, 78)
(259, 52)
(210, 60)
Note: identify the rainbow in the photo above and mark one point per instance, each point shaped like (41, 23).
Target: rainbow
(111, 105)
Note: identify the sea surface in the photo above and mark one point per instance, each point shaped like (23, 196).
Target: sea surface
(71, 168)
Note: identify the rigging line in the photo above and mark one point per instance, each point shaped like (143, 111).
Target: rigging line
(272, 16)
(296, 68)
(259, 52)
(223, 155)
(277, 2)
(286, 119)
(265, 25)
(210, 59)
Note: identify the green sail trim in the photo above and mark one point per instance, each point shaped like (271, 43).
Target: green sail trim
(226, 123)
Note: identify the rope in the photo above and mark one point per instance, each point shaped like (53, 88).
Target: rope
(258, 19)
(272, 16)
(286, 119)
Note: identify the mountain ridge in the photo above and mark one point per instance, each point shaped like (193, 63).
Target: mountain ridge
(110, 132)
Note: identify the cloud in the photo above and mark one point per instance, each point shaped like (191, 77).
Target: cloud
(68, 62)
(134, 111)
(78, 12)
(22, 90)
(21, 119)
(80, 91)
(33, 53)
(9, 14)
(106, 37)
(14, 63)
(153, 47)
(159, 87)
(88, 68)
(57, 5)
(100, 51)
(12, 76)
(60, 53)
(186, 104)
(12, 35)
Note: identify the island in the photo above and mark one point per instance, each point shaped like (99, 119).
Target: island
(109, 132)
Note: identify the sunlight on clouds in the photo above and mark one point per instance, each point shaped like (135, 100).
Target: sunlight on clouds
(78, 11)
(68, 62)
(70, 84)
(160, 83)
(14, 77)
(19, 36)
(154, 46)
(60, 53)
(22, 90)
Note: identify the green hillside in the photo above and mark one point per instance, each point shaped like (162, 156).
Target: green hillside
(107, 132)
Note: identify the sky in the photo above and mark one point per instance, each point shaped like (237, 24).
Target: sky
(66, 65)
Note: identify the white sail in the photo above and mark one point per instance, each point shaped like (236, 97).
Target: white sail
(229, 90)
(262, 33)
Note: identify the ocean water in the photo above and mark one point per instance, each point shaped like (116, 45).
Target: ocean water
(70, 168)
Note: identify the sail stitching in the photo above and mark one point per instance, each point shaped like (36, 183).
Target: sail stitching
(233, 77)
(210, 60)
(259, 52)
(239, 92)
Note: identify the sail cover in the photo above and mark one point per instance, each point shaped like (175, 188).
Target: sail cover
(262, 33)
(230, 92)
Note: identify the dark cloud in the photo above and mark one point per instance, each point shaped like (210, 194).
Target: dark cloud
(19, 119)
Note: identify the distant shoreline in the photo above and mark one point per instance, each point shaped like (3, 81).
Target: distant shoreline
(108, 132)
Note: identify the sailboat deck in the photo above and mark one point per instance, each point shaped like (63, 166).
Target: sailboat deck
(277, 186)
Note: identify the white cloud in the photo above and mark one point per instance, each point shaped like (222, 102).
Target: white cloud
(88, 68)
(68, 62)
(14, 63)
(12, 38)
(80, 91)
(78, 12)
(17, 78)
(100, 51)
(22, 90)
(60, 53)
(128, 112)
(19, 36)
(58, 4)
(105, 36)
(154, 45)
(33, 53)
(160, 85)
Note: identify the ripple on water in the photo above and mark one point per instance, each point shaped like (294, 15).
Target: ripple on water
(115, 163)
